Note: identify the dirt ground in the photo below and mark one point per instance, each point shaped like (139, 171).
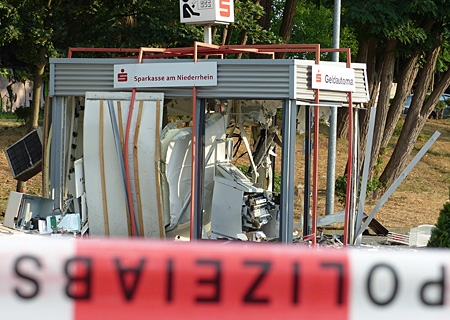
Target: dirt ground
(418, 200)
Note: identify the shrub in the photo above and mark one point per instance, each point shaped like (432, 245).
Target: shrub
(23, 113)
(440, 234)
(340, 187)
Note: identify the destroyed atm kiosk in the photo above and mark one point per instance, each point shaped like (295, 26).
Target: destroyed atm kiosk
(109, 159)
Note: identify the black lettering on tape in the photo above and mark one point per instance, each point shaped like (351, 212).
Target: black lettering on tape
(249, 296)
(130, 272)
(340, 269)
(75, 282)
(388, 299)
(439, 285)
(216, 281)
(296, 282)
(35, 284)
(169, 295)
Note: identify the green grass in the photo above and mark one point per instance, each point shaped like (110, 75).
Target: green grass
(8, 116)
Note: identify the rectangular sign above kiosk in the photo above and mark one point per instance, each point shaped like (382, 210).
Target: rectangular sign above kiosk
(333, 78)
(157, 75)
(203, 12)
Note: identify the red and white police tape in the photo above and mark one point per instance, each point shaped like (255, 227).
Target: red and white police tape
(137, 279)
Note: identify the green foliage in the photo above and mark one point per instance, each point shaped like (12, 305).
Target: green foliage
(314, 24)
(340, 187)
(23, 113)
(8, 116)
(276, 182)
(440, 234)
(398, 129)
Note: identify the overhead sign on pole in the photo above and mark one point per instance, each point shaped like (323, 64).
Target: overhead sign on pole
(157, 75)
(333, 78)
(202, 12)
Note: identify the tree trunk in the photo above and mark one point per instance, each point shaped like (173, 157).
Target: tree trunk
(417, 116)
(227, 31)
(387, 76)
(289, 12)
(33, 122)
(37, 89)
(366, 54)
(243, 36)
(404, 84)
(342, 123)
(21, 186)
(264, 21)
(363, 115)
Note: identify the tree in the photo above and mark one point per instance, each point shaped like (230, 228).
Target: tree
(406, 42)
(440, 235)
(289, 12)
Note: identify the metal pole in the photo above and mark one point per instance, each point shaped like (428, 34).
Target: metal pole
(355, 175)
(307, 182)
(336, 28)
(365, 174)
(58, 151)
(197, 173)
(331, 169)
(399, 180)
(287, 172)
(207, 34)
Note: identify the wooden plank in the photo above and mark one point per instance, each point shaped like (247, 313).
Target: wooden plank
(121, 137)
(136, 168)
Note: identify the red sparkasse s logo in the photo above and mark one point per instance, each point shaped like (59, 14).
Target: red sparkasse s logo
(318, 76)
(122, 76)
(225, 8)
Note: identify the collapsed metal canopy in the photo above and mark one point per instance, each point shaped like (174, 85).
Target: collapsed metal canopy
(288, 80)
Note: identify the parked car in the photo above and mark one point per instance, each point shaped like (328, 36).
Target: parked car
(434, 113)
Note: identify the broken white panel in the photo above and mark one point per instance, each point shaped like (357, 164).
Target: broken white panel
(79, 177)
(12, 210)
(230, 185)
(112, 201)
(70, 222)
(178, 168)
(235, 178)
(227, 205)
(23, 207)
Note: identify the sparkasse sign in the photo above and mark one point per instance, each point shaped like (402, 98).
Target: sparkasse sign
(202, 12)
(157, 75)
(333, 78)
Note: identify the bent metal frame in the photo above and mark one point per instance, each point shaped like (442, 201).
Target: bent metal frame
(288, 80)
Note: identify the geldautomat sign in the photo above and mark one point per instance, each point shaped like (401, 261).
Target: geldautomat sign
(333, 78)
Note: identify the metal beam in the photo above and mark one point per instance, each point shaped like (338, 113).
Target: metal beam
(58, 149)
(365, 173)
(287, 171)
(399, 180)
(198, 156)
(307, 181)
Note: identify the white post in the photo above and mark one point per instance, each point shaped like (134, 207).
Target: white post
(208, 34)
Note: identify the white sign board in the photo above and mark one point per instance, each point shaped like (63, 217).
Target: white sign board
(157, 75)
(202, 12)
(333, 78)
